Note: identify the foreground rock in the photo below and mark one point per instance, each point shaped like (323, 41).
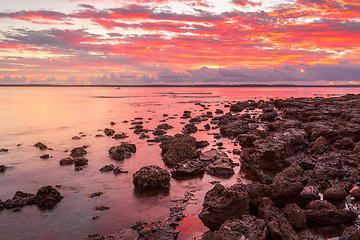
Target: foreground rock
(45, 198)
(249, 227)
(276, 222)
(150, 178)
(221, 204)
(122, 151)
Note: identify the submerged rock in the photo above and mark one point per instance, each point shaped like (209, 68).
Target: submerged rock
(107, 168)
(150, 178)
(78, 152)
(101, 208)
(40, 145)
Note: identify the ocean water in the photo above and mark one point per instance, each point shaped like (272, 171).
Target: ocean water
(53, 115)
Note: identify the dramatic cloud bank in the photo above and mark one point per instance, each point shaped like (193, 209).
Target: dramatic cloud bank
(168, 41)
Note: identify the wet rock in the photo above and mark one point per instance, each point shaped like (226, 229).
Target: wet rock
(155, 230)
(76, 138)
(222, 167)
(350, 233)
(99, 135)
(107, 168)
(202, 144)
(151, 177)
(20, 199)
(98, 237)
(246, 140)
(233, 129)
(158, 132)
(211, 155)
(335, 194)
(47, 197)
(186, 114)
(268, 116)
(101, 208)
(4, 150)
(109, 132)
(320, 145)
(179, 152)
(295, 216)
(277, 224)
(45, 156)
(40, 145)
(112, 123)
(80, 162)
(118, 170)
(221, 204)
(67, 161)
(207, 127)
(322, 213)
(78, 152)
(249, 227)
(188, 168)
(95, 194)
(189, 128)
(120, 136)
(122, 151)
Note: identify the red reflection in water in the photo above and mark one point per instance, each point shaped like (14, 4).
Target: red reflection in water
(191, 228)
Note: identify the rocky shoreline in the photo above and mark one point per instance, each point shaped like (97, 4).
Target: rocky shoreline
(300, 155)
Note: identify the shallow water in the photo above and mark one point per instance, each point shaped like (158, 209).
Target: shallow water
(54, 115)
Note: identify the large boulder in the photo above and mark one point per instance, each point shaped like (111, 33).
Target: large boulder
(221, 204)
(188, 168)
(179, 152)
(150, 178)
(47, 197)
(249, 227)
(276, 223)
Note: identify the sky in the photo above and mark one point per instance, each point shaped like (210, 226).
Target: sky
(180, 42)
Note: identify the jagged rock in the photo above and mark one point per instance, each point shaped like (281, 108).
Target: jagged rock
(98, 237)
(211, 155)
(233, 129)
(246, 140)
(188, 168)
(320, 145)
(95, 194)
(109, 132)
(295, 216)
(155, 230)
(107, 168)
(335, 194)
(350, 233)
(119, 136)
(80, 162)
(20, 199)
(78, 152)
(159, 131)
(222, 167)
(101, 208)
(47, 197)
(189, 128)
(151, 177)
(277, 224)
(221, 204)
(41, 146)
(323, 213)
(179, 152)
(122, 151)
(249, 227)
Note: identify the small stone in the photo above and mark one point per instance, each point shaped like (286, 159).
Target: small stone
(76, 138)
(4, 150)
(40, 145)
(78, 152)
(109, 132)
(118, 170)
(45, 156)
(96, 194)
(107, 168)
(112, 123)
(101, 208)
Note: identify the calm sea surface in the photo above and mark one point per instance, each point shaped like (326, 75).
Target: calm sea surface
(54, 115)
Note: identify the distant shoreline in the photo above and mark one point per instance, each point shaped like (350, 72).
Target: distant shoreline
(177, 85)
